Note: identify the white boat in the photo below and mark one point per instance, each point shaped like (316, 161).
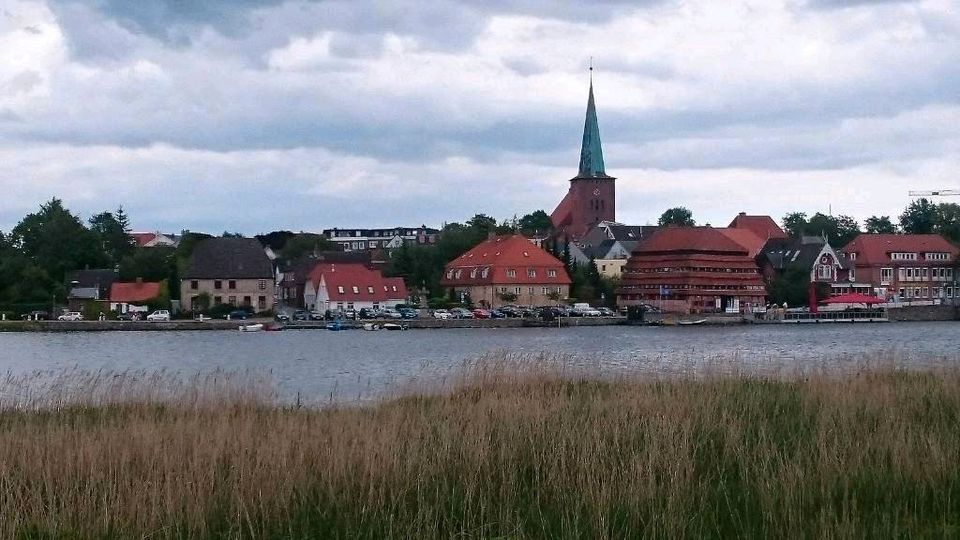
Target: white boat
(251, 327)
(371, 326)
(394, 326)
(691, 323)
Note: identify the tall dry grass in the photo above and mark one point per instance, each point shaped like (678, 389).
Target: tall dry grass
(514, 448)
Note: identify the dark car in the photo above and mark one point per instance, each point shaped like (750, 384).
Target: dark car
(367, 313)
(497, 314)
(301, 315)
(128, 316)
(282, 317)
(350, 314)
(237, 315)
(606, 312)
(409, 313)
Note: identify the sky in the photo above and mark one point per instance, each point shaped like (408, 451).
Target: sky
(259, 115)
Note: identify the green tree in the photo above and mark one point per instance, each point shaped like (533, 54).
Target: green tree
(113, 233)
(57, 241)
(920, 217)
(537, 222)
(795, 224)
(948, 221)
(306, 245)
(679, 216)
(152, 264)
(880, 225)
(838, 230)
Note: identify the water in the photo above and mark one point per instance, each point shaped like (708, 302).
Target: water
(320, 365)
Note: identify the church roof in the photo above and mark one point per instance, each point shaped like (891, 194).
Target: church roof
(591, 154)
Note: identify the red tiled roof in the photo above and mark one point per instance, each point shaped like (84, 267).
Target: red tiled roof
(347, 276)
(763, 226)
(876, 248)
(746, 238)
(134, 291)
(690, 239)
(561, 216)
(490, 261)
(143, 239)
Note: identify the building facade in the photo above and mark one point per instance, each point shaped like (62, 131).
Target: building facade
(340, 287)
(591, 198)
(381, 239)
(233, 271)
(692, 270)
(506, 270)
(914, 268)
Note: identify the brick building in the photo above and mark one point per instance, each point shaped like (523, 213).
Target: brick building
(233, 271)
(694, 270)
(507, 270)
(901, 267)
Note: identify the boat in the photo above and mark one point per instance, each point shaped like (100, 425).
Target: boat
(371, 326)
(335, 326)
(691, 323)
(394, 326)
(258, 327)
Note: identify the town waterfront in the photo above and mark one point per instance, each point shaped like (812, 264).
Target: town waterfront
(319, 366)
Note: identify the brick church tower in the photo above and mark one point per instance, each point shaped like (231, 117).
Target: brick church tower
(592, 194)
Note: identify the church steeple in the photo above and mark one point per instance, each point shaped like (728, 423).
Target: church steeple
(591, 155)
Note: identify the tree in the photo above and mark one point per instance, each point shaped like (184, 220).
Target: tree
(57, 241)
(151, 264)
(794, 224)
(679, 216)
(880, 225)
(306, 244)
(537, 222)
(920, 217)
(275, 240)
(113, 234)
(948, 221)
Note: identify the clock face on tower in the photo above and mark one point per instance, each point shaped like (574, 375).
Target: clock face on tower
(596, 192)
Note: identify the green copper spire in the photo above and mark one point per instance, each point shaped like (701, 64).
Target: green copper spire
(591, 155)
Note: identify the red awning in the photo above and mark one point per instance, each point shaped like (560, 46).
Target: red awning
(854, 298)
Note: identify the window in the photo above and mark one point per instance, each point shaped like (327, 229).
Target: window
(473, 273)
(246, 301)
(340, 290)
(909, 274)
(232, 300)
(262, 284)
(194, 285)
(824, 271)
(901, 275)
(450, 273)
(232, 284)
(349, 305)
(511, 272)
(551, 273)
(370, 290)
(356, 290)
(261, 303)
(886, 275)
(486, 272)
(394, 288)
(217, 300)
(458, 274)
(516, 290)
(544, 291)
(340, 306)
(926, 272)
(853, 274)
(531, 272)
(217, 284)
(853, 256)
(373, 244)
(529, 290)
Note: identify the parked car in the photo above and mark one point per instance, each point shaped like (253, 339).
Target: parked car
(367, 313)
(461, 313)
(409, 313)
(390, 313)
(238, 315)
(316, 315)
(584, 311)
(350, 314)
(281, 317)
(128, 316)
(442, 314)
(159, 316)
(480, 314)
(71, 316)
(607, 312)
(497, 314)
(301, 315)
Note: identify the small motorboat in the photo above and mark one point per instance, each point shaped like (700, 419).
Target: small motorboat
(394, 326)
(371, 326)
(691, 323)
(258, 327)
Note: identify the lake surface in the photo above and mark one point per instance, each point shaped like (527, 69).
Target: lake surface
(321, 365)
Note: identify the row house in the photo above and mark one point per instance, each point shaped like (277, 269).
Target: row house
(339, 287)
(233, 271)
(901, 267)
(695, 270)
(504, 270)
(609, 244)
(381, 239)
(134, 296)
(292, 278)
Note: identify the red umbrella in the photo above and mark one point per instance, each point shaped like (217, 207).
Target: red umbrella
(854, 298)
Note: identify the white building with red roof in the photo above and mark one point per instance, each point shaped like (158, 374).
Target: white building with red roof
(507, 270)
(901, 267)
(339, 287)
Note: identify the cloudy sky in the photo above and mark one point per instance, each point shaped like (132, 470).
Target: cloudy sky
(257, 115)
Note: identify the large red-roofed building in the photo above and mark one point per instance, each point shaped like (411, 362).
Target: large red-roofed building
(505, 270)
(901, 267)
(694, 270)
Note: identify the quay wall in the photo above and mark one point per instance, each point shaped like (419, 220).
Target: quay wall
(923, 313)
(104, 326)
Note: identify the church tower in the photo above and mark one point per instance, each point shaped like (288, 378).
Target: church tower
(592, 194)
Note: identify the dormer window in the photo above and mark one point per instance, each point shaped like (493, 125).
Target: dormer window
(356, 290)
(551, 273)
(531, 273)
(511, 272)
(370, 290)
(473, 273)
(340, 290)
(449, 274)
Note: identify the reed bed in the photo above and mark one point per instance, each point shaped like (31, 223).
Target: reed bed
(513, 447)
